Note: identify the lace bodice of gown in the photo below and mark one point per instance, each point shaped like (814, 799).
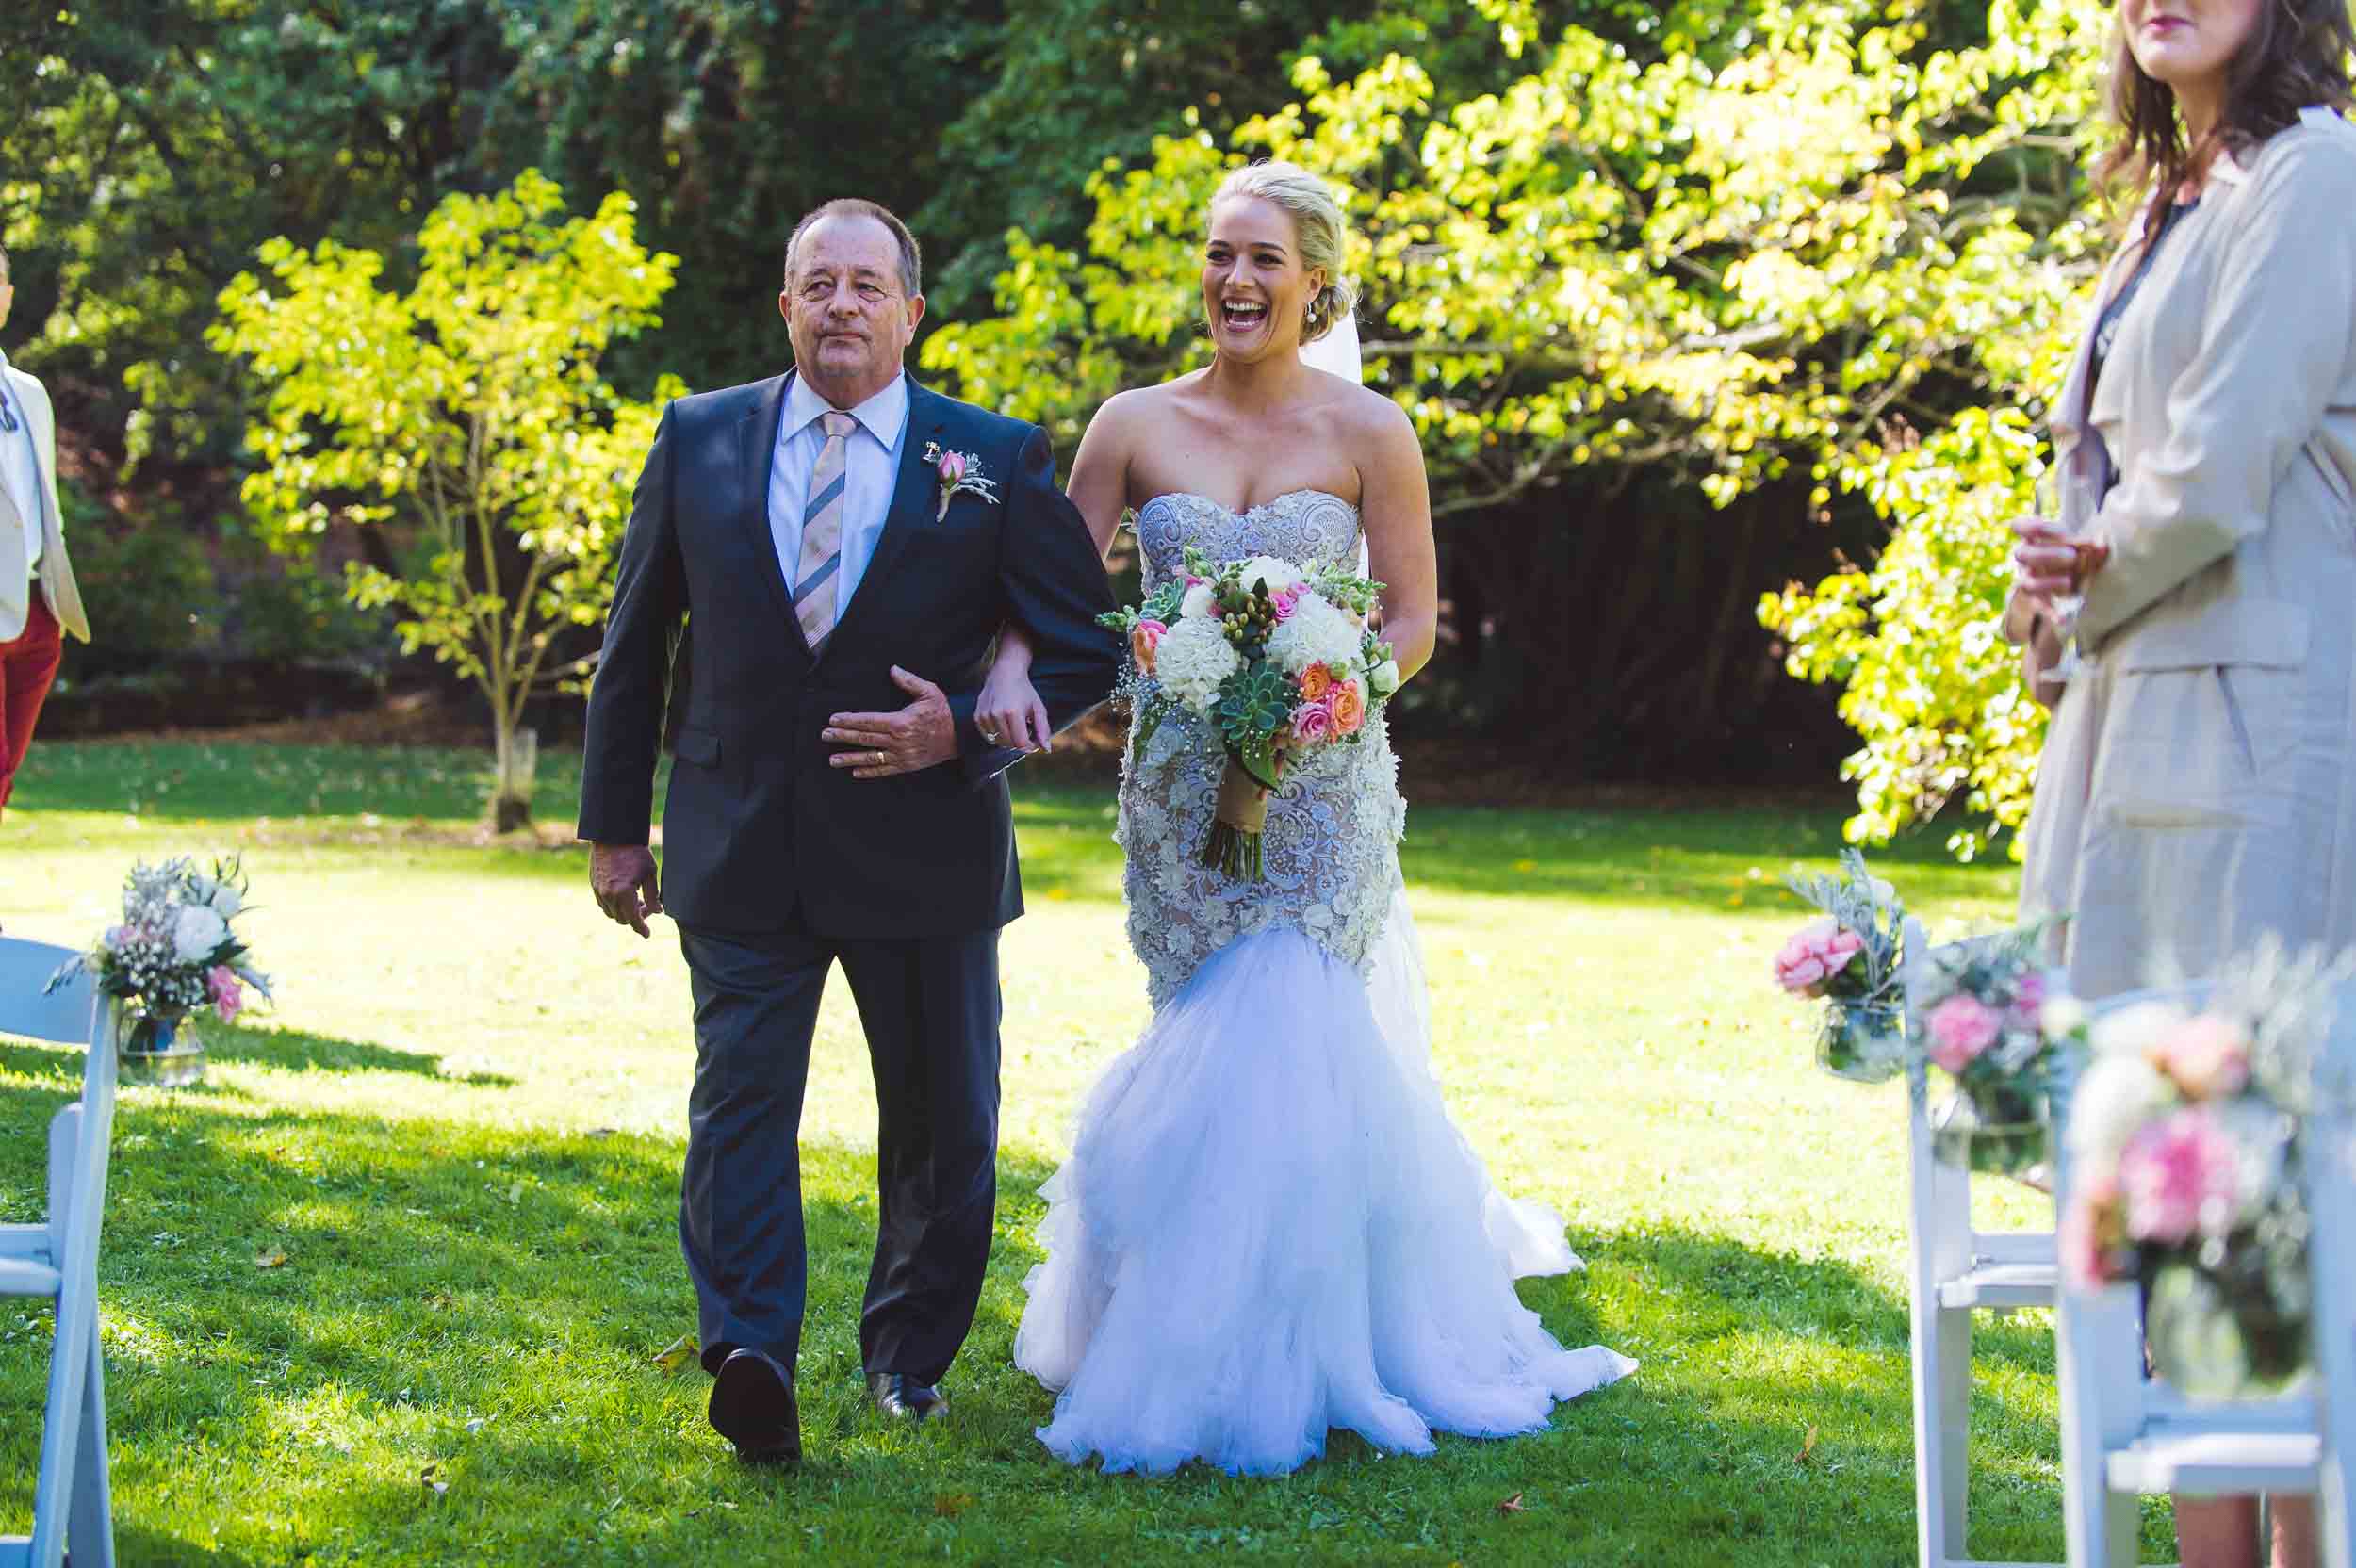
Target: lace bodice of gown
(1332, 842)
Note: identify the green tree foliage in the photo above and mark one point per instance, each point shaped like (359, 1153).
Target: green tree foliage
(467, 415)
(1754, 260)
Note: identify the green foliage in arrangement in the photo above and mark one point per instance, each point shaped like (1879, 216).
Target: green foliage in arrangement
(469, 415)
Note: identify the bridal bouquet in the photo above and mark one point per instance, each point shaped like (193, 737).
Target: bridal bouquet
(1278, 659)
(175, 952)
(1992, 1024)
(2184, 1144)
(1849, 959)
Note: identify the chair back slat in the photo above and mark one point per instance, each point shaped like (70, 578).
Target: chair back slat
(62, 1017)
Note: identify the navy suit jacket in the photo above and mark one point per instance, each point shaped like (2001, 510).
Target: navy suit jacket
(760, 830)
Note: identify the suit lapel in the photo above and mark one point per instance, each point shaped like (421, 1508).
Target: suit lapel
(915, 492)
(757, 453)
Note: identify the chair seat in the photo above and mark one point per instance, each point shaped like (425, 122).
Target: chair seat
(2001, 1284)
(31, 1242)
(2218, 1465)
(23, 1277)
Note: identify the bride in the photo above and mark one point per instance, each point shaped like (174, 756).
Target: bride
(1269, 1226)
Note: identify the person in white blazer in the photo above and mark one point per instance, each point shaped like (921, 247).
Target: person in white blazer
(2198, 786)
(38, 601)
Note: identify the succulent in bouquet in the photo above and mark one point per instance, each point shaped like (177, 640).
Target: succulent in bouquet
(1278, 660)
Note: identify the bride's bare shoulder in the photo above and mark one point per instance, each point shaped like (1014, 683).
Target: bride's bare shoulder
(1362, 416)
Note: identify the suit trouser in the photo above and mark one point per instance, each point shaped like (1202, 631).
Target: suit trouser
(930, 1008)
(28, 665)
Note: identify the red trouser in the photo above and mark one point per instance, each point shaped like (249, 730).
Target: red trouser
(27, 666)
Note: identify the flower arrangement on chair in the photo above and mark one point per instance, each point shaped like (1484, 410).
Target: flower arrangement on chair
(2185, 1150)
(1996, 1026)
(1849, 959)
(175, 953)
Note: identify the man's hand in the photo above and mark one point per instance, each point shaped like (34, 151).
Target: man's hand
(623, 877)
(878, 746)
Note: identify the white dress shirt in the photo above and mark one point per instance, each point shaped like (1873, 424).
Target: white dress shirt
(20, 468)
(870, 470)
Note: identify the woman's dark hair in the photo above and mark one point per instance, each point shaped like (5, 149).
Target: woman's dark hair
(2295, 57)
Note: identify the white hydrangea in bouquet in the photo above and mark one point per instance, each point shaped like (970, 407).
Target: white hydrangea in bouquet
(2004, 1033)
(2185, 1152)
(1278, 659)
(177, 950)
(1849, 960)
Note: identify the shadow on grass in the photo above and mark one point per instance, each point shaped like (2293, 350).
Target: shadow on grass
(288, 1048)
(490, 1301)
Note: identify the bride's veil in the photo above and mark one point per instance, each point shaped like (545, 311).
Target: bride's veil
(1528, 1234)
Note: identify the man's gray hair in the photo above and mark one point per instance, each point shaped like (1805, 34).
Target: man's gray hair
(911, 260)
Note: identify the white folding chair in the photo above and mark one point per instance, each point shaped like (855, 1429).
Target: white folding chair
(58, 1259)
(2124, 1435)
(1956, 1270)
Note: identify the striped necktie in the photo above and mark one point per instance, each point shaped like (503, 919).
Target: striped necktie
(816, 577)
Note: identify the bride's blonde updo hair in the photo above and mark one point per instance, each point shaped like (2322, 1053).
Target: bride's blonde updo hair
(1317, 222)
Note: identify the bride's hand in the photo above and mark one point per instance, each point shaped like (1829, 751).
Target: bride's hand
(1008, 712)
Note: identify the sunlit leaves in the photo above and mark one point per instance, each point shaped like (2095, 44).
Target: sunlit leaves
(467, 415)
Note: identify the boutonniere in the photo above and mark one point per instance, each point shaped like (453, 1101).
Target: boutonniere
(960, 473)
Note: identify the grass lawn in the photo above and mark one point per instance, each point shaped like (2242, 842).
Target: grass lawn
(462, 1126)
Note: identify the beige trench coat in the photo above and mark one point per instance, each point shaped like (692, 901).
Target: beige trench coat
(57, 571)
(2195, 788)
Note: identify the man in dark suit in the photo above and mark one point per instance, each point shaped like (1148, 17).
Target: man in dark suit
(849, 545)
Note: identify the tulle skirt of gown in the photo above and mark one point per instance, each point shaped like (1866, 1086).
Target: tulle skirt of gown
(1268, 1228)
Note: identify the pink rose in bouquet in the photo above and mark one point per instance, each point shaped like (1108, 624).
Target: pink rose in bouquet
(1814, 954)
(1282, 601)
(1349, 707)
(226, 992)
(2208, 1056)
(2178, 1175)
(1312, 724)
(1144, 641)
(1962, 1028)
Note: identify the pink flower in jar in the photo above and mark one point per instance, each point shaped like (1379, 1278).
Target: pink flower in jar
(1814, 954)
(2028, 996)
(2179, 1175)
(226, 990)
(2091, 1234)
(1962, 1027)
(1312, 724)
(2208, 1056)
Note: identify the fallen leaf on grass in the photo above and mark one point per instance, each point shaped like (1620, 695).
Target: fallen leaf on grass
(1513, 1505)
(950, 1504)
(675, 1354)
(270, 1257)
(1808, 1446)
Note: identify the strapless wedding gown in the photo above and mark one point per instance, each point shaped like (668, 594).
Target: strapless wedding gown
(1268, 1227)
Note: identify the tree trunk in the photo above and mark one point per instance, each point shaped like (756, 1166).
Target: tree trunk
(516, 758)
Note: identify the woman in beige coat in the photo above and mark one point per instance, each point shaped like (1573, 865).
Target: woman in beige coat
(2198, 788)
